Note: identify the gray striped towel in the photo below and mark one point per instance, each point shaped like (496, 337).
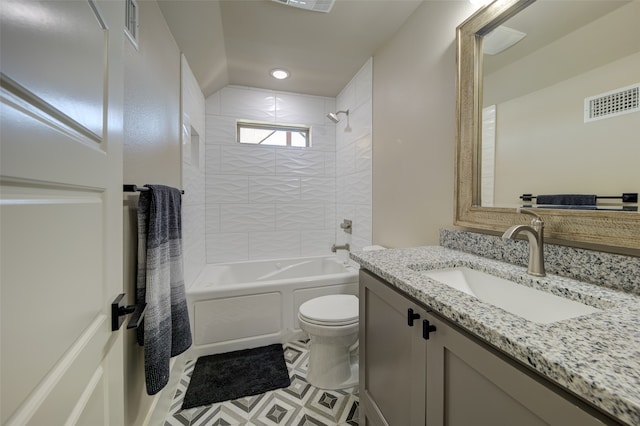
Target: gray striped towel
(160, 283)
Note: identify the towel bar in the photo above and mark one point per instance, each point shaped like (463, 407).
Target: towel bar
(136, 188)
(627, 197)
(119, 310)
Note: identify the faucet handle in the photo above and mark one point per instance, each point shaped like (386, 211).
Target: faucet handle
(536, 221)
(528, 211)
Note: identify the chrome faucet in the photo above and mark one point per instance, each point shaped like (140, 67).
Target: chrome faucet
(335, 248)
(535, 234)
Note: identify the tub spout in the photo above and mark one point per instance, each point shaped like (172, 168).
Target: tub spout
(535, 234)
(335, 248)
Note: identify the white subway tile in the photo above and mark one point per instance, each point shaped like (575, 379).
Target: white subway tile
(354, 188)
(360, 122)
(330, 164)
(299, 109)
(300, 162)
(344, 211)
(227, 247)
(360, 188)
(323, 138)
(362, 224)
(212, 218)
(248, 160)
(193, 184)
(274, 189)
(274, 245)
(346, 160)
(213, 159)
(318, 189)
(212, 104)
(300, 216)
(330, 220)
(329, 105)
(317, 243)
(227, 188)
(246, 103)
(347, 97)
(363, 153)
(220, 130)
(247, 217)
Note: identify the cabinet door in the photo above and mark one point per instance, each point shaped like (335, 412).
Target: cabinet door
(469, 384)
(392, 357)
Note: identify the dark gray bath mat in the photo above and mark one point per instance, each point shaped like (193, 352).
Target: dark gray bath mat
(237, 374)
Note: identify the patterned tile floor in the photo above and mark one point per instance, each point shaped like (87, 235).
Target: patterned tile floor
(298, 405)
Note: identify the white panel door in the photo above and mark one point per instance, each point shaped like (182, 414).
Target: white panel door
(60, 211)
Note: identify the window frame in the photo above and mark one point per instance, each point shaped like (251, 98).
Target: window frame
(275, 127)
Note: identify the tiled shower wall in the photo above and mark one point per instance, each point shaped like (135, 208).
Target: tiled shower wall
(354, 155)
(273, 202)
(193, 173)
(265, 201)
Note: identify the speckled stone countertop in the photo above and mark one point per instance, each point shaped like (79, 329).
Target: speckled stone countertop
(596, 356)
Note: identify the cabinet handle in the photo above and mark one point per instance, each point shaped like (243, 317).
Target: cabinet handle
(426, 329)
(411, 316)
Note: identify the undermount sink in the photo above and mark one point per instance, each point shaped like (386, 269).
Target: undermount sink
(531, 304)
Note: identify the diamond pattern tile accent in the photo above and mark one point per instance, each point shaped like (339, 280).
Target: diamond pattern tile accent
(298, 405)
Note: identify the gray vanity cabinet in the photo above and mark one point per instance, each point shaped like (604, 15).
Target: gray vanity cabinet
(451, 378)
(392, 357)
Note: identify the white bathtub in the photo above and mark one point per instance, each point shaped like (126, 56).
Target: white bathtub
(240, 305)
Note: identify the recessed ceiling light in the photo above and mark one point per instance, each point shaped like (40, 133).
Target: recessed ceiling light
(279, 73)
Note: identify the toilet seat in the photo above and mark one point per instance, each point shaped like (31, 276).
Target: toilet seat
(332, 311)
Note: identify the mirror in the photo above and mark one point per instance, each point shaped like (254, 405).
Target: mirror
(614, 229)
(536, 137)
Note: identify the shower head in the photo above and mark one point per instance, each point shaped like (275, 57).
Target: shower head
(333, 116)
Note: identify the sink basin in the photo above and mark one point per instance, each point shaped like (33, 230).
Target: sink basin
(531, 304)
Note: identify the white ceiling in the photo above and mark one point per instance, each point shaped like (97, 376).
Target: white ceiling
(239, 41)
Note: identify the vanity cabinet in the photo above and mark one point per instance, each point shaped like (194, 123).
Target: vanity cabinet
(432, 372)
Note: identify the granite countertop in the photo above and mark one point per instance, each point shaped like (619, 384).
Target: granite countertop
(596, 356)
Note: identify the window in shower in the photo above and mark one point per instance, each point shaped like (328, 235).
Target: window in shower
(273, 134)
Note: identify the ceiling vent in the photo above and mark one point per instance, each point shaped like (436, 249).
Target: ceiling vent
(313, 5)
(611, 104)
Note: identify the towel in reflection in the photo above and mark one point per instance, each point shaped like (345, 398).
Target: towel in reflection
(567, 199)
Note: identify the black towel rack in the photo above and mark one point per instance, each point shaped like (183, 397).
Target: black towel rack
(136, 188)
(627, 197)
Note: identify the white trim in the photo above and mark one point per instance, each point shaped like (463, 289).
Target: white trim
(31, 405)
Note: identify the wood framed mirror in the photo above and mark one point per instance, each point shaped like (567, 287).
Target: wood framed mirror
(614, 231)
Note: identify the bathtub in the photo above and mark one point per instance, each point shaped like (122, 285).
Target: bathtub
(241, 305)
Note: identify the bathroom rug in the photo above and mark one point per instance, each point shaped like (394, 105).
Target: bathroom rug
(233, 375)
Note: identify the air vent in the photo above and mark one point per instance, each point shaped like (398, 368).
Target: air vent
(313, 5)
(131, 21)
(611, 104)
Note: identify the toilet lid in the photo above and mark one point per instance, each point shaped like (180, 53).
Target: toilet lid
(336, 309)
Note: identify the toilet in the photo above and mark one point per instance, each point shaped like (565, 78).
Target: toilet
(332, 325)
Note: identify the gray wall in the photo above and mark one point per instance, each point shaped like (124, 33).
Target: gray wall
(414, 116)
(151, 155)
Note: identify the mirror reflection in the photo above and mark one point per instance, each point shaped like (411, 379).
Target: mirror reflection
(561, 106)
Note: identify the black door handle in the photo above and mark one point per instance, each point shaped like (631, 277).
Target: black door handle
(411, 316)
(426, 329)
